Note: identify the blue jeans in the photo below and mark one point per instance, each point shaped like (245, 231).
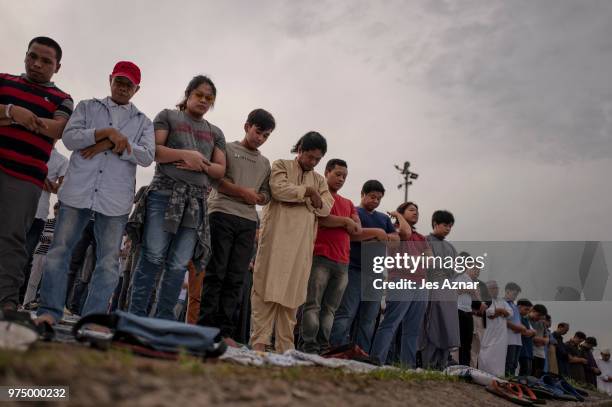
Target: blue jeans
(108, 231)
(351, 307)
(161, 248)
(410, 315)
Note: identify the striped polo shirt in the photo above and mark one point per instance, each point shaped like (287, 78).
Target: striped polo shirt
(24, 154)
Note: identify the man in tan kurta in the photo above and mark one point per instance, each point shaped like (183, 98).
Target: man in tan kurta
(288, 231)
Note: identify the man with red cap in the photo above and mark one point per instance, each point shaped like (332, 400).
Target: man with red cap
(109, 137)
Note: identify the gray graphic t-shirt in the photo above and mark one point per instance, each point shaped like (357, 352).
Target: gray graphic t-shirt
(188, 134)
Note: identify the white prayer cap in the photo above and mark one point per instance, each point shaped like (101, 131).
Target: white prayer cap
(605, 351)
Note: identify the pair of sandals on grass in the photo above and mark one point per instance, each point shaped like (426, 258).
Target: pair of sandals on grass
(529, 390)
(522, 390)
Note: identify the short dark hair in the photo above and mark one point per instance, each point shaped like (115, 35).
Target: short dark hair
(442, 216)
(311, 141)
(372, 186)
(562, 325)
(513, 287)
(580, 334)
(540, 309)
(331, 164)
(48, 42)
(402, 208)
(591, 340)
(262, 119)
(193, 85)
(524, 302)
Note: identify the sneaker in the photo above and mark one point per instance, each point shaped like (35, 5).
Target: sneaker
(31, 306)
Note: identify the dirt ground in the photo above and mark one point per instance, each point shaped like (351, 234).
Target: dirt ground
(118, 378)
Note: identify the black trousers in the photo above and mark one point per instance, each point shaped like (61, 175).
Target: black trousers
(242, 317)
(232, 239)
(525, 366)
(537, 368)
(466, 331)
(18, 203)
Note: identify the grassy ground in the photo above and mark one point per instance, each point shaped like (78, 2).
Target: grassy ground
(118, 378)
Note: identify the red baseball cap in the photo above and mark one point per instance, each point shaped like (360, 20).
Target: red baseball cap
(127, 69)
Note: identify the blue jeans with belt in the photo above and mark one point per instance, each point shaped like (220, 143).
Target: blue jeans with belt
(161, 249)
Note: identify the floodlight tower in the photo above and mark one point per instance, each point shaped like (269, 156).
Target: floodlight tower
(408, 177)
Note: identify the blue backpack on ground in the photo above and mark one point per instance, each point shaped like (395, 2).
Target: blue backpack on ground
(152, 337)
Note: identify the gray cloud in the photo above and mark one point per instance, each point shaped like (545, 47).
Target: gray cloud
(532, 73)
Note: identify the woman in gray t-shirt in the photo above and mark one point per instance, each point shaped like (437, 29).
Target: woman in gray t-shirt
(189, 152)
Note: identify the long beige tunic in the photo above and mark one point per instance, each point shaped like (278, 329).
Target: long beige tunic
(287, 235)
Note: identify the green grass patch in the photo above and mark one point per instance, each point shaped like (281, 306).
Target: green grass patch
(412, 375)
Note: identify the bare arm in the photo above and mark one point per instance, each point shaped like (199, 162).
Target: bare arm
(228, 188)
(333, 221)
(53, 187)
(264, 189)
(165, 154)
(248, 195)
(404, 230)
(393, 237)
(184, 159)
(100, 146)
(54, 127)
(357, 221)
(576, 359)
(540, 340)
(369, 234)
(216, 169)
(516, 328)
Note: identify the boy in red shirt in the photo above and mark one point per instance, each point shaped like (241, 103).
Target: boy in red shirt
(328, 276)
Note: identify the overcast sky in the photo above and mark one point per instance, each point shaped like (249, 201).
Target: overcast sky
(503, 108)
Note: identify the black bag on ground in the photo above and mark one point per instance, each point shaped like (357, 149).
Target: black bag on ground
(151, 336)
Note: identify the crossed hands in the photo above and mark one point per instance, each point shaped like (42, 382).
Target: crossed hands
(27, 119)
(116, 142)
(193, 161)
(252, 197)
(51, 186)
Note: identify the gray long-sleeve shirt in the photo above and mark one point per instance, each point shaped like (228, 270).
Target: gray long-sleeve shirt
(105, 183)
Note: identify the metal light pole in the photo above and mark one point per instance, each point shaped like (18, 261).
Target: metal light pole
(408, 176)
